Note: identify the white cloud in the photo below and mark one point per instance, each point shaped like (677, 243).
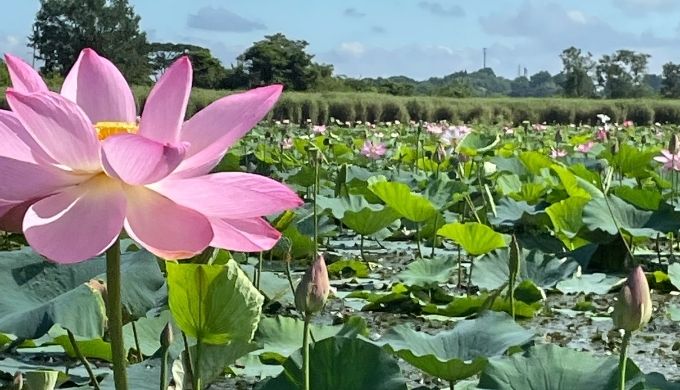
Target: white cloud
(577, 16)
(355, 49)
(641, 7)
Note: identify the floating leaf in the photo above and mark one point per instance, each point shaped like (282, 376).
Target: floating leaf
(458, 353)
(475, 238)
(428, 272)
(588, 284)
(399, 197)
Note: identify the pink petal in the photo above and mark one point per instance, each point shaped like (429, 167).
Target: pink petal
(60, 127)
(244, 235)
(232, 195)
(98, 87)
(138, 160)
(163, 227)
(12, 217)
(164, 110)
(12, 146)
(214, 129)
(24, 78)
(78, 223)
(23, 180)
(11, 122)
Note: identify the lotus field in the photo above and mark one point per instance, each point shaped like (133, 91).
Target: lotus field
(226, 251)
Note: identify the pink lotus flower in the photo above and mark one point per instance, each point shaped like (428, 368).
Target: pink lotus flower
(373, 150)
(319, 129)
(84, 169)
(434, 128)
(633, 309)
(669, 160)
(557, 153)
(287, 144)
(586, 147)
(601, 134)
(628, 123)
(539, 127)
(312, 292)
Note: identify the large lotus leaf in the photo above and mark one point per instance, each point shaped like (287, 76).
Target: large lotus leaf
(631, 161)
(574, 185)
(283, 335)
(140, 376)
(339, 206)
(213, 303)
(535, 161)
(428, 272)
(546, 270)
(510, 212)
(399, 197)
(35, 294)
(674, 274)
(368, 221)
(274, 286)
(341, 363)
(214, 360)
(475, 143)
(509, 164)
(460, 352)
(442, 192)
(588, 284)
(475, 238)
(639, 197)
(638, 223)
(468, 305)
(567, 220)
(550, 367)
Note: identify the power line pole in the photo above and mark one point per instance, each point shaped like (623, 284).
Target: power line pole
(484, 51)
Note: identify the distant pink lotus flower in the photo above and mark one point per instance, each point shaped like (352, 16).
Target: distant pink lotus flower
(84, 169)
(586, 147)
(287, 143)
(601, 134)
(434, 128)
(454, 133)
(320, 129)
(373, 150)
(628, 123)
(557, 153)
(508, 130)
(669, 160)
(539, 127)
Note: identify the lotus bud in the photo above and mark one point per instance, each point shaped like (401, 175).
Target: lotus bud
(558, 137)
(674, 144)
(633, 309)
(440, 154)
(18, 381)
(167, 336)
(643, 140)
(313, 290)
(515, 255)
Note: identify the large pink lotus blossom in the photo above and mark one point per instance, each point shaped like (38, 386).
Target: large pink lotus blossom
(557, 153)
(669, 160)
(83, 168)
(373, 150)
(319, 129)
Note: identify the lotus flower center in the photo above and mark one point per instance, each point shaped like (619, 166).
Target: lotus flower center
(107, 129)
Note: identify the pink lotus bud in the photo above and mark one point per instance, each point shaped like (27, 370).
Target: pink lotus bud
(313, 290)
(633, 309)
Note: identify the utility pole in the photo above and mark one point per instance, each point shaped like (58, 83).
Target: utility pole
(484, 51)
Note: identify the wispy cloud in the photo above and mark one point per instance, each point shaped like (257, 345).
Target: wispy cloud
(353, 13)
(436, 8)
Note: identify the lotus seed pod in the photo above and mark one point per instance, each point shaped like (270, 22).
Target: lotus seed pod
(18, 381)
(674, 144)
(167, 336)
(633, 309)
(313, 290)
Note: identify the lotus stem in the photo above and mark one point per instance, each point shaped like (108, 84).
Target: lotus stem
(197, 385)
(289, 277)
(188, 364)
(305, 351)
(83, 360)
(259, 270)
(434, 236)
(316, 194)
(115, 314)
(451, 384)
(623, 359)
(361, 249)
(140, 357)
(164, 368)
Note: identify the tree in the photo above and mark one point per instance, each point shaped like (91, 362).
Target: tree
(542, 85)
(4, 74)
(208, 70)
(577, 72)
(277, 59)
(64, 27)
(520, 87)
(622, 74)
(670, 84)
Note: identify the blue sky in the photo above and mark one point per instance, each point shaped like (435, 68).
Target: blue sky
(416, 38)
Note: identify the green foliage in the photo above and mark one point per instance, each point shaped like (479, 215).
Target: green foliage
(111, 27)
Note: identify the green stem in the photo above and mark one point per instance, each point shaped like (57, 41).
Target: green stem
(451, 384)
(259, 270)
(420, 252)
(164, 369)
(305, 351)
(140, 357)
(289, 277)
(434, 236)
(316, 194)
(189, 361)
(622, 360)
(83, 360)
(361, 249)
(197, 385)
(115, 314)
(512, 296)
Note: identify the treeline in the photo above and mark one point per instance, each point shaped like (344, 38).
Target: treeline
(63, 27)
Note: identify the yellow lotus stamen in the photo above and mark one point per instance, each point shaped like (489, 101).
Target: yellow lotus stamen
(107, 129)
